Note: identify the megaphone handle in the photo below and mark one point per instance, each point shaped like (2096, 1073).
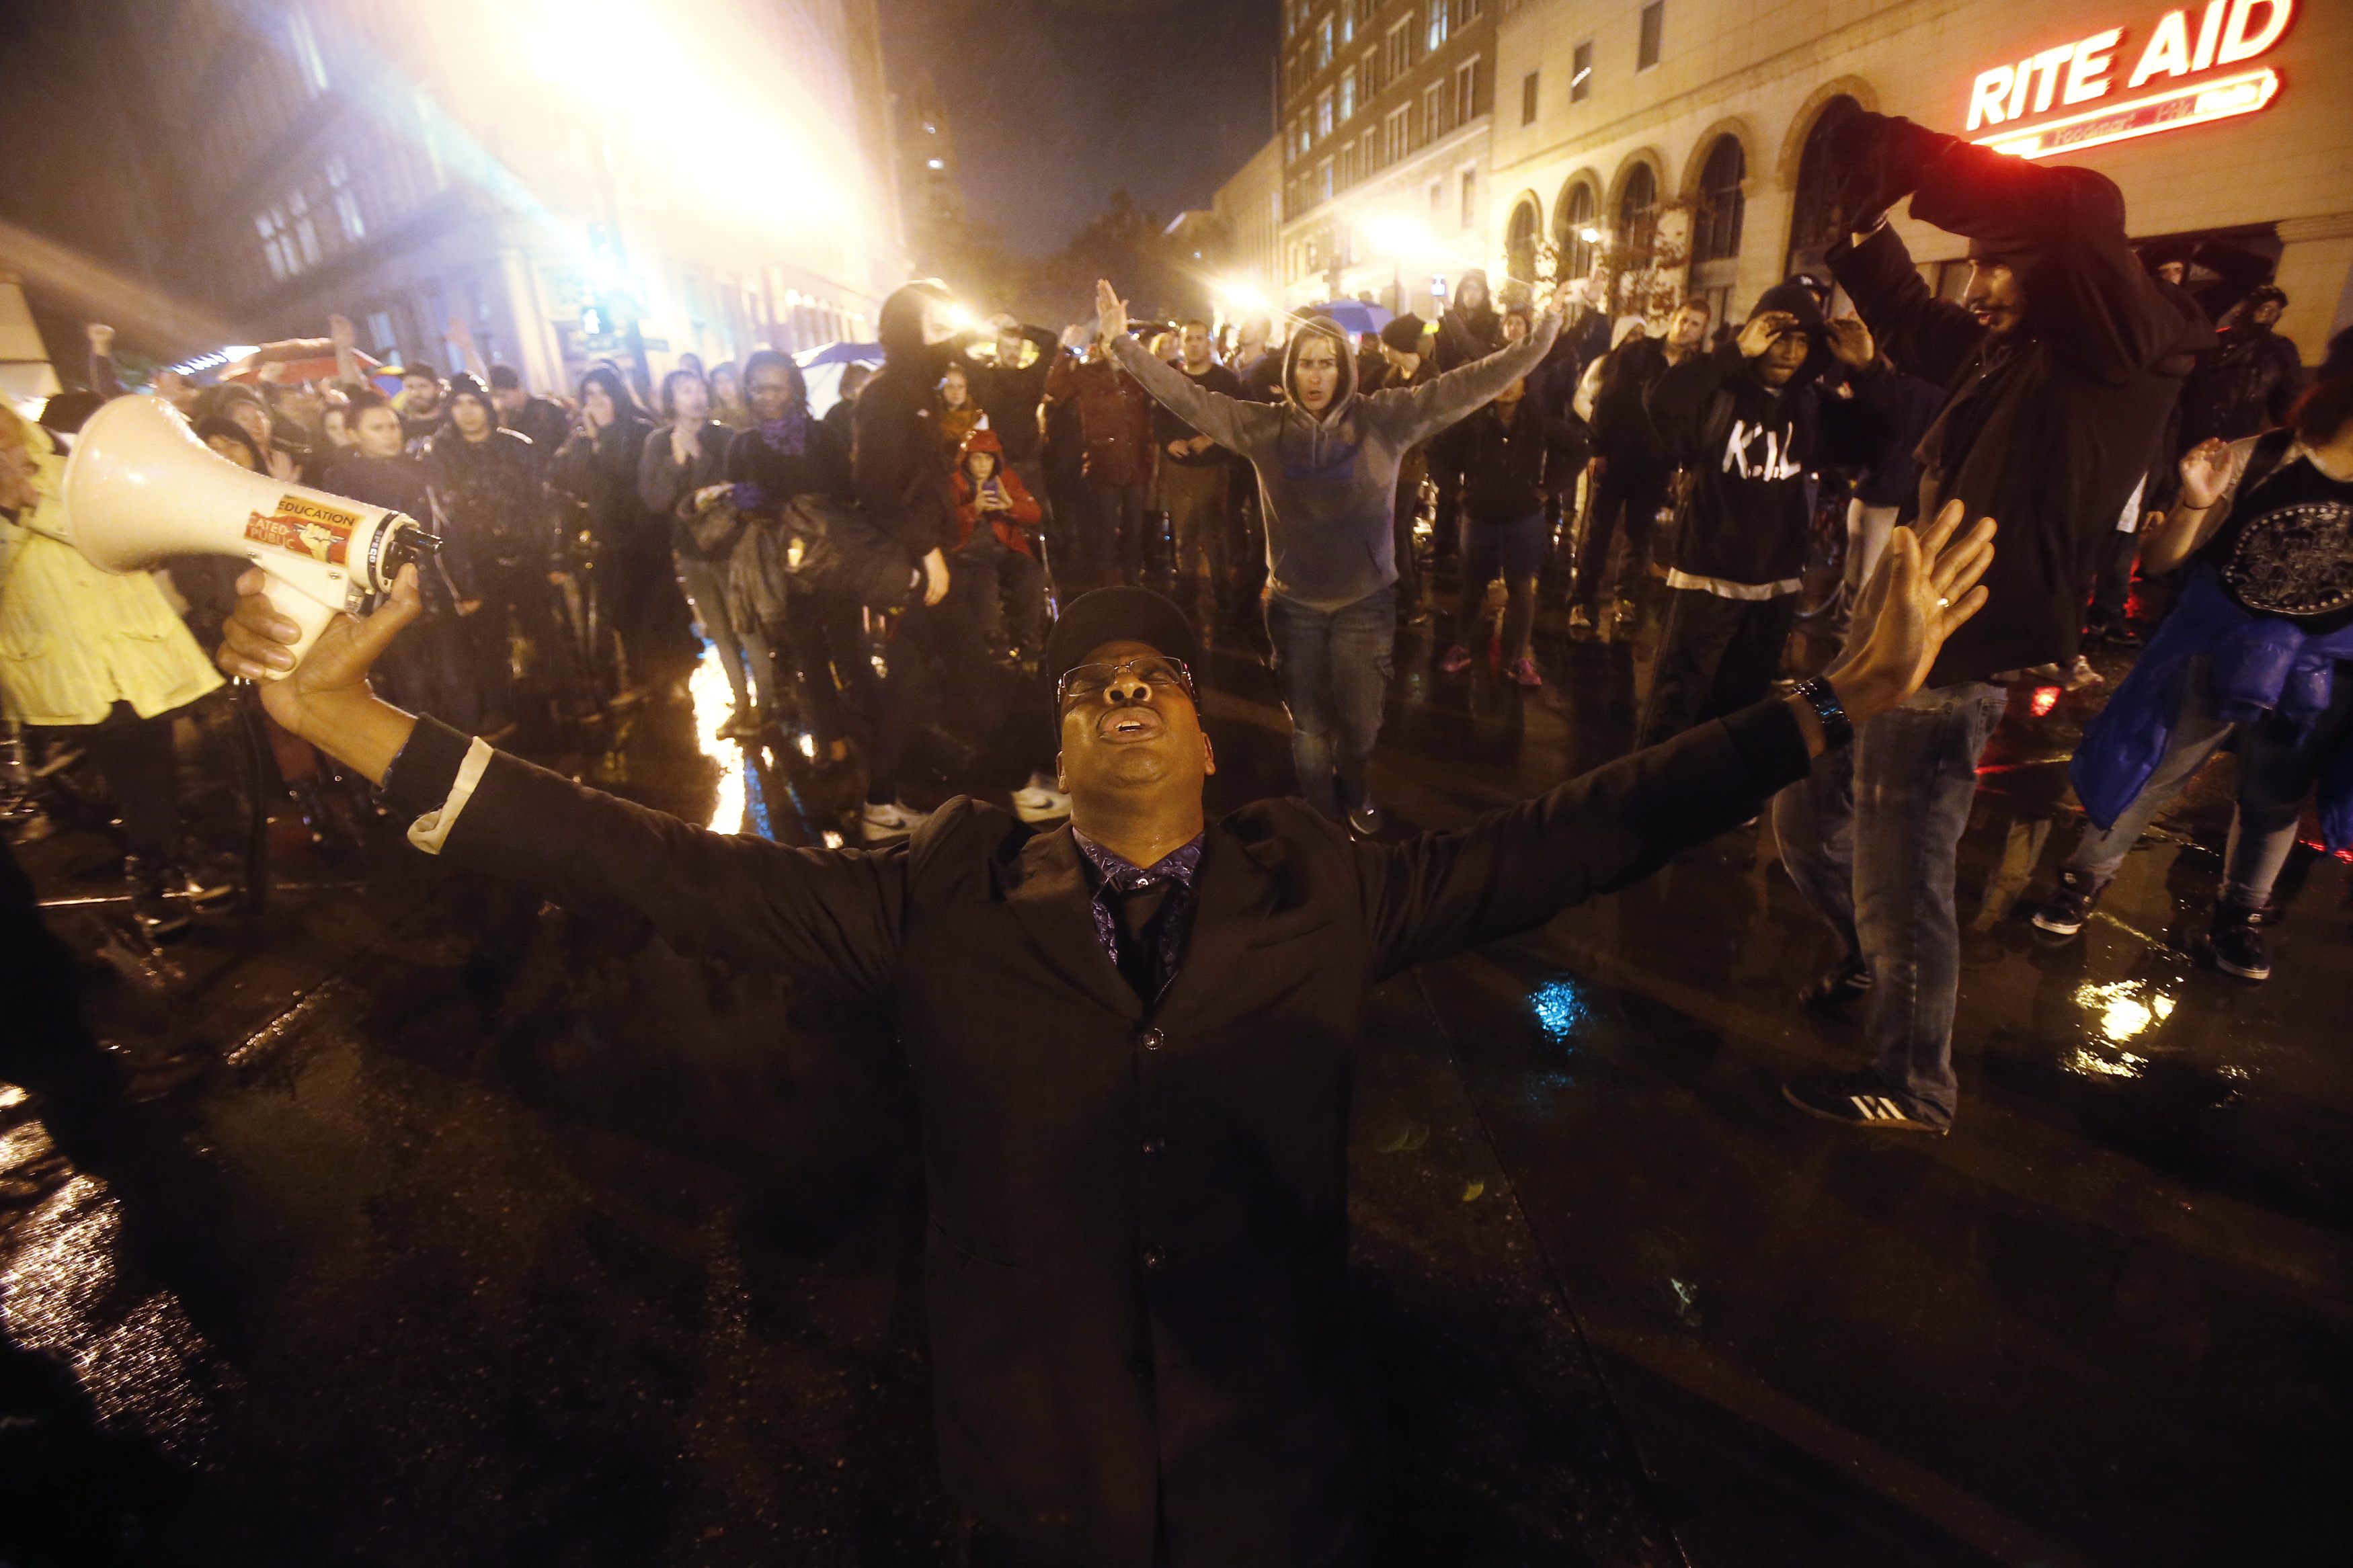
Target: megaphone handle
(288, 600)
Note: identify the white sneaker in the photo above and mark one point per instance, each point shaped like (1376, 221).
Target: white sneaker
(1040, 801)
(883, 823)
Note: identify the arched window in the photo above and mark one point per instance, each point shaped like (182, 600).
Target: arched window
(1520, 243)
(1578, 231)
(1715, 229)
(1810, 225)
(1638, 217)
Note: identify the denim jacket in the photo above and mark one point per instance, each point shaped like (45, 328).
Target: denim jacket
(2258, 666)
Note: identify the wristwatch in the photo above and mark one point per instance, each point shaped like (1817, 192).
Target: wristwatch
(1837, 727)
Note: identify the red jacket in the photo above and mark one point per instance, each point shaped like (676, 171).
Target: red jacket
(1020, 509)
(1114, 419)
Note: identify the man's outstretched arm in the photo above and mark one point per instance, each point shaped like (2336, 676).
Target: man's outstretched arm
(1463, 391)
(1514, 869)
(829, 916)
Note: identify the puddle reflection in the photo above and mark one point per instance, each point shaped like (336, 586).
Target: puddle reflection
(1560, 1007)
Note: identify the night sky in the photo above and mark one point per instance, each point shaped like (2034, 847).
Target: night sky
(1055, 104)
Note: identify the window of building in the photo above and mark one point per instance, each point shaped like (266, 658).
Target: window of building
(1577, 234)
(1466, 92)
(1439, 20)
(1470, 198)
(303, 40)
(1347, 25)
(1638, 217)
(1323, 179)
(1433, 111)
(1397, 139)
(379, 326)
(1520, 243)
(345, 202)
(1654, 23)
(271, 226)
(1715, 227)
(1528, 99)
(1400, 49)
(1580, 73)
(1347, 97)
(1324, 44)
(1437, 199)
(1323, 114)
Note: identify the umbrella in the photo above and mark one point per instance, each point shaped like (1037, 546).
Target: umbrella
(1352, 316)
(840, 353)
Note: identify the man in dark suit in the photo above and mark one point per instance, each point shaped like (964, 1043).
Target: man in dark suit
(1131, 1037)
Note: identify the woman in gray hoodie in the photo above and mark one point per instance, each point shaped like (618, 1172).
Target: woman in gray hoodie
(1327, 459)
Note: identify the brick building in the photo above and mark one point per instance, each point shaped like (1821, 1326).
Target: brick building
(542, 177)
(1385, 111)
(1670, 146)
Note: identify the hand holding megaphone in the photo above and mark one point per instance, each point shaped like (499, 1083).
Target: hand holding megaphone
(258, 642)
(140, 487)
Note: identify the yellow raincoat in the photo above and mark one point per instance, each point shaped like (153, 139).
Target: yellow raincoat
(74, 640)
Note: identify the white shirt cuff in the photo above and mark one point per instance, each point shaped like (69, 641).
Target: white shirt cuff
(430, 831)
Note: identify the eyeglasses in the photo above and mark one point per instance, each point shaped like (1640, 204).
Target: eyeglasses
(1092, 682)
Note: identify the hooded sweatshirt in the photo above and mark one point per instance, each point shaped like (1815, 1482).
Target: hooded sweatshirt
(2048, 427)
(1327, 483)
(1748, 447)
(901, 463)
(1465, 335)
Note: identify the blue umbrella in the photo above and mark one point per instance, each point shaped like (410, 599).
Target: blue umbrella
(1352, 316)
(840, 353)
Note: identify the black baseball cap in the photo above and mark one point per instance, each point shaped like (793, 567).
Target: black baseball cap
(1118, 615)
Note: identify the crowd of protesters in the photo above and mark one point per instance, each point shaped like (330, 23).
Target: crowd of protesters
(883, 577)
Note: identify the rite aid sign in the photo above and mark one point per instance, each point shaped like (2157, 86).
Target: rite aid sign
(2133, 84)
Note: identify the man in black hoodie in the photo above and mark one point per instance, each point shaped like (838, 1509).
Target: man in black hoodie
(1747, 421)
(2062, 360)
(904, 487)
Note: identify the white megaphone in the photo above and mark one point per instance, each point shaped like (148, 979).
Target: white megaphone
(140, 486)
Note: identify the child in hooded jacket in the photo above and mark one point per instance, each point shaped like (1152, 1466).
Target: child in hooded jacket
(995, 561)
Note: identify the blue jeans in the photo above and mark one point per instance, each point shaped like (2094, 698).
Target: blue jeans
(2277, 769)
(1333, 667)
(1870, 838)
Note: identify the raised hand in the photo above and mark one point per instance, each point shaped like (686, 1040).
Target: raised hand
(1111, 310)
(1926, 588)
(1757, 336)
(1850, 342)
(2205, 473)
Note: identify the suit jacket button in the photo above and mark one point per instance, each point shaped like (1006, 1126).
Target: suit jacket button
(1153, 1258)
(1150, 1039)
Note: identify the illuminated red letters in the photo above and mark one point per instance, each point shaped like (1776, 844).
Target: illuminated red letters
(2227, 31)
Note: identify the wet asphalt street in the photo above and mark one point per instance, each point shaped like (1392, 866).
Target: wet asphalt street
(414, 1223)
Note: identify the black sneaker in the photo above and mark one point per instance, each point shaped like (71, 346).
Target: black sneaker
(2065, 912)
(1859, 1100)
(2238, 944)
(1845, 982)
